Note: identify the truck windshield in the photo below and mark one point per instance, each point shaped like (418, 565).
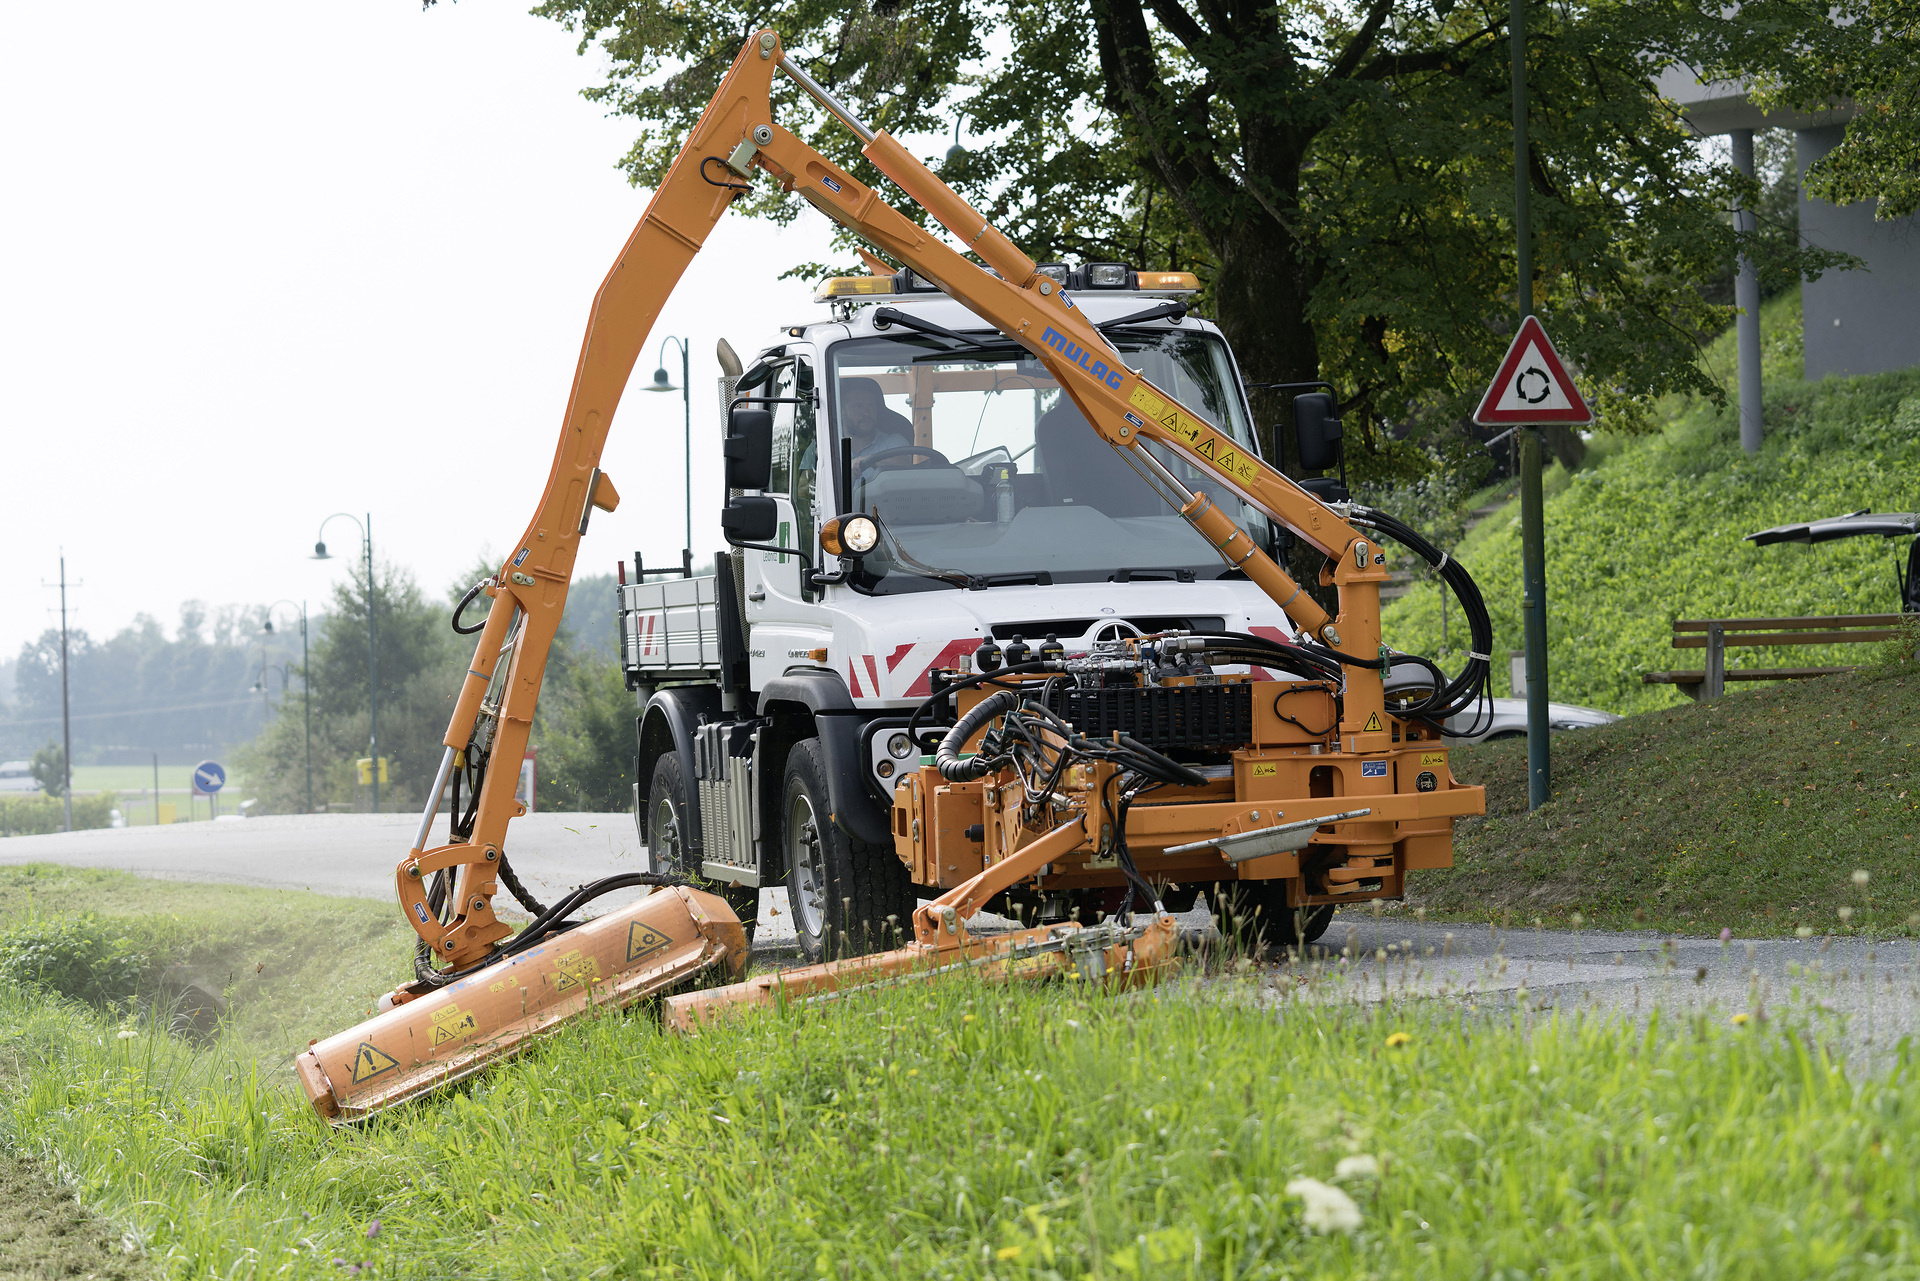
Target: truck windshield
(983, 472)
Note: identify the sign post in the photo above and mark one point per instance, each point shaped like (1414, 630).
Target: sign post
(208, 778)
(1533, 389)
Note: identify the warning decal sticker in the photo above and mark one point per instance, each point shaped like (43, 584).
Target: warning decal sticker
(1373, 724)
(574, 970)
(644, 940)
(1432, 758)
(369, 1062)
(451, 1024)
(1373, 769)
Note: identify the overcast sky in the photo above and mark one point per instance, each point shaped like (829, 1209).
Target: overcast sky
(264, 262)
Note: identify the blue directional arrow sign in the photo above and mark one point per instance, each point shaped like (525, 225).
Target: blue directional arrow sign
(209, 777)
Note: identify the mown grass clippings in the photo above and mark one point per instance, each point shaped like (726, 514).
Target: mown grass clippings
(1752, 812)
(46, 1233)
(961, 1130)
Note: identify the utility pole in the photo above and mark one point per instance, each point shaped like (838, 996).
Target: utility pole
(373, 685)
(1533, 554)
(66, 706)
(1746, 297)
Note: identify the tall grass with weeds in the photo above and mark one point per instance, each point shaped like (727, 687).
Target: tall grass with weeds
(960, 1130)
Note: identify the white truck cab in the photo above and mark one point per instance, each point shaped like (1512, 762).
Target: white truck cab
(1003, 519)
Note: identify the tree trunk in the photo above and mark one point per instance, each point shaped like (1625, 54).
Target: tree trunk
(1260, 294)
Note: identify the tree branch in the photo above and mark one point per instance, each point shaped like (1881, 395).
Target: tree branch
(1181, 23)
(1362, 41)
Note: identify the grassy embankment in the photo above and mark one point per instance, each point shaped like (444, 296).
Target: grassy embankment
(955, 1130)
(1752, 812)
(1652, 531)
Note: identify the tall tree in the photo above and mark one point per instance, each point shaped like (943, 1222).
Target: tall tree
(1338, 173)
(1811, 56)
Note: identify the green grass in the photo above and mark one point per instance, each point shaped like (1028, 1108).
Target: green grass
(1653, 531)
(135, 778)
(292, 966)
(957, 1130)
(1751, 812)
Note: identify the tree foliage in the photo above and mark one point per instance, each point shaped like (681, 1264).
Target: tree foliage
(1811, 55)
(417, 671)
(1340, 175)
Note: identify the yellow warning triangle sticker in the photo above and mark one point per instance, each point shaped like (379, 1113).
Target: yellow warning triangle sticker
(441, 1035)
(369, 1062)
(644, 940)
(565, 982)
(1373, 724)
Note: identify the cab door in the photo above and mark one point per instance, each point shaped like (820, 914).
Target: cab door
(784, 626)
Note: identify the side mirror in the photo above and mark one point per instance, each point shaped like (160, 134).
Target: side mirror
(750, 518)
(1316, 431)
(749, 449)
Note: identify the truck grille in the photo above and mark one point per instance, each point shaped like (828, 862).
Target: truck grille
(1162, 716)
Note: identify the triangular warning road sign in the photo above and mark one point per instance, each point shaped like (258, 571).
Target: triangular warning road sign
(1532, 387)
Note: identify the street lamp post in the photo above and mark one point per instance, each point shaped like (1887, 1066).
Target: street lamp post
(306, 684)
(663, 383)
(373, 689)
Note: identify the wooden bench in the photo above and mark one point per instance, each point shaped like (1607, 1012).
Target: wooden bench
(1716, 635)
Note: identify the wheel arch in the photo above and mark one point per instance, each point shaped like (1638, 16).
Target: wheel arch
(817, 704)
(666, 725)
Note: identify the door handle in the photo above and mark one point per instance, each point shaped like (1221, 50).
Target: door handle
(757, 594)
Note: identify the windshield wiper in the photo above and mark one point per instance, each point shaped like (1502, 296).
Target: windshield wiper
(886, 317)
(1021, 578)
(1174, 311)
(1152, 575)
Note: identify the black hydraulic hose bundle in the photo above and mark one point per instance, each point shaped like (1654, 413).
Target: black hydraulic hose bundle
(1467, 690)
(546, 922)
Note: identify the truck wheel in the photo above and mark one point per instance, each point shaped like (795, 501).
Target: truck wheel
(848, 898)
(668, 817)
(1258, 910)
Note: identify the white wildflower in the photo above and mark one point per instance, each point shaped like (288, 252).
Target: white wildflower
(1327, 1208)
(125, 1034)
(1861, 876)
(1361, 1166)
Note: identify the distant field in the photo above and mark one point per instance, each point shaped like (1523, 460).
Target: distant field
(139, 778)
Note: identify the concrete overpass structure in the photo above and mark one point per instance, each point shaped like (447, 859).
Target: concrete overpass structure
(1856, 322)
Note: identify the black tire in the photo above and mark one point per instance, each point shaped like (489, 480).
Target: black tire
(848, 898)
(668, 813)
(1258, 911)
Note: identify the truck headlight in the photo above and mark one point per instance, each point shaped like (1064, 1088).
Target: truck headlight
(898, 746)
(849, 536)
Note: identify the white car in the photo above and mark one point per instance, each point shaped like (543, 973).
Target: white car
(17, 776)
(1494, 718)
(1508, 719)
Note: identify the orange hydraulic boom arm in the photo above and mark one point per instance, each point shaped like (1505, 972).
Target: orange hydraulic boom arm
(736, 134)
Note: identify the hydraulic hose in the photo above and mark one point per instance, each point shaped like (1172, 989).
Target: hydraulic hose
(968, 682)
(1469, 687)
(946, 757)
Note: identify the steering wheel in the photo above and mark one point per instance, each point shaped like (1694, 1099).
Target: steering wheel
(939, 459)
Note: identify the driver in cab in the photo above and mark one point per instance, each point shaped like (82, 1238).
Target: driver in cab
(868, 423)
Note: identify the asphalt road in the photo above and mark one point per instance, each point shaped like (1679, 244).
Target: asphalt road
(1865, 992)
(355, 854)
(1870, 991)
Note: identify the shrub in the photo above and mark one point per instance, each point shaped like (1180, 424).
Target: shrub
(85, 958)
(39, 815)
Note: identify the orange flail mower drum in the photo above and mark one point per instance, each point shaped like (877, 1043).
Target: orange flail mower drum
(433, 1037)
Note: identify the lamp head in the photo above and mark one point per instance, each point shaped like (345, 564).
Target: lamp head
(266, 628)
(320, 552)
(661, 382)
